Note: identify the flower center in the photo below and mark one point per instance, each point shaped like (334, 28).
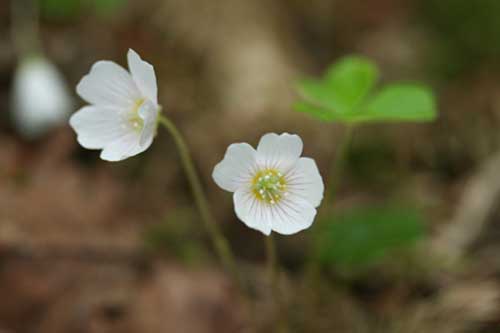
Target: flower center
(269, 186)
(135, 120)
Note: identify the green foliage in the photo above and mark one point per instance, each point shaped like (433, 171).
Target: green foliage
(71, 8)
(345, 94)
(362, 237)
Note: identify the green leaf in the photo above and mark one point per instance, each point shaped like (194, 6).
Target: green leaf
(361, 237)
(350, 81)
(343, 88)
(400, 102)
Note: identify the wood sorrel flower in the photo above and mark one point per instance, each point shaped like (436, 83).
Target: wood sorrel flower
(274, 188)
(123, 114)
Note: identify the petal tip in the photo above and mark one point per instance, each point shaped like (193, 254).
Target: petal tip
(110, 158)
(132, 53)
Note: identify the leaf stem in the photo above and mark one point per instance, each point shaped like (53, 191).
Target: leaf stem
(312, 269)
(337, 167)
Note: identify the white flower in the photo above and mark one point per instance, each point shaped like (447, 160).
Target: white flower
(274, 188)
(123, 114)
(40, 97)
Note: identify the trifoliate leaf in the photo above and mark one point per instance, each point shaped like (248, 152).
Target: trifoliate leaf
(345, 94)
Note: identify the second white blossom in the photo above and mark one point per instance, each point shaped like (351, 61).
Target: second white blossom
(274, 188)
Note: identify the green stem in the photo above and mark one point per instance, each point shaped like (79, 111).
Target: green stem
(271, 261)
(220, 243)
(312, 269)
(337, 167)
(273, 271)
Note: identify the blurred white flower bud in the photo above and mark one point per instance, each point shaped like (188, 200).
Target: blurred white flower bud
(40, 97)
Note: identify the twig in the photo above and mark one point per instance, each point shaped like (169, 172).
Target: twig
(473, 210)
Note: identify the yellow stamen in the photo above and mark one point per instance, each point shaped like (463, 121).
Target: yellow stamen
(135, 120)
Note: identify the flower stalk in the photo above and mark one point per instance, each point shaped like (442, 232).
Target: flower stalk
(220, 243)
(273, 271)
(25, 26)
(272, 264)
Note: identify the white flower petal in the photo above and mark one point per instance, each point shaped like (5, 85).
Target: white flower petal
(304, 180)
(237, 168)
(108, 85)
(149, 114)
(291, 215)
(251, 211)
(98, 126)
(279, 151)
(144, 76)
(123, 148)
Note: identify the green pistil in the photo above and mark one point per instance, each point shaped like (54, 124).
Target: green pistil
(269, 186)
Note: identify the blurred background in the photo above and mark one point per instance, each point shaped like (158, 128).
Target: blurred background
(92, 246)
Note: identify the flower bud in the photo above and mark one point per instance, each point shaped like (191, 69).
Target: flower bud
(40, 97)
